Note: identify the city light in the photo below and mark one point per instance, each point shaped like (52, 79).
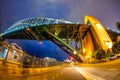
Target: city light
(71, 58)
(88, 57)
(27, 29)
(84, 50)
(108, 44)
(74, 52)
(40, 42)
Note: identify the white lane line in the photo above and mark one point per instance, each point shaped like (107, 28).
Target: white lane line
(114, 69)
(88, 75)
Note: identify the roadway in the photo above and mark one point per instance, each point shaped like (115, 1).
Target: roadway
(67, 72)
(100, 71)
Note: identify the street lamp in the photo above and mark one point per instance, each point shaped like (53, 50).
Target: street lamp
(40, 42)
(27, 29)
(74, 52)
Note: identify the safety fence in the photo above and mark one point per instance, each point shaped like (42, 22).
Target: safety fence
(16, 63)
(14, 69)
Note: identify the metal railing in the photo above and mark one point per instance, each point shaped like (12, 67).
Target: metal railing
(14, 69)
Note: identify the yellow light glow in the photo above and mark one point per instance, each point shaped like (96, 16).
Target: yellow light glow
(99, 32)
(108, 44)
(74, 52)
(84, 50)
(98, 25)
(88, 57)
(27, 29)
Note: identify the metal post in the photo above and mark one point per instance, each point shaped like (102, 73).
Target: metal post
(41, 62)
(33, 61)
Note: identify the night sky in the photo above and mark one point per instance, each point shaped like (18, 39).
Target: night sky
(107, 11)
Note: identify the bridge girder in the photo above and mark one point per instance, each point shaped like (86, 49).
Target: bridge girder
(62, 34)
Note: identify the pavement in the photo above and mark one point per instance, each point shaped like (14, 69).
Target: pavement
(66, 72)
(101, 71)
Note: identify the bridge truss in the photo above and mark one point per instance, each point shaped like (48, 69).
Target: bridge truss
(67, 35)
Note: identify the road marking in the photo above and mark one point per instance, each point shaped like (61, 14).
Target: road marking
(88, 75)
(114, 69)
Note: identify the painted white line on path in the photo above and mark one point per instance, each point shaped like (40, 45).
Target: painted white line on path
(88, 75)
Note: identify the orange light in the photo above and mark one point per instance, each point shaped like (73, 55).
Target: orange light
(27, 29)
(71, 58)
(74, 52)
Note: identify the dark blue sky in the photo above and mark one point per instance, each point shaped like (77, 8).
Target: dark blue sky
(107, 11)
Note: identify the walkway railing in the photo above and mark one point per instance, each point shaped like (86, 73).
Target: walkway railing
(14, 69)
(14, 63)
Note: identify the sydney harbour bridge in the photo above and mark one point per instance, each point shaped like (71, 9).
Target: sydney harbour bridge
(86, 38)
(78, 40)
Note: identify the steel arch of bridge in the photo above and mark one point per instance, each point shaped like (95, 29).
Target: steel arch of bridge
(61, 32)
(89, 36)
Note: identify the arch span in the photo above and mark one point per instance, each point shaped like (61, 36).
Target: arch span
(97, 37)
(61, 32)
(86, 37)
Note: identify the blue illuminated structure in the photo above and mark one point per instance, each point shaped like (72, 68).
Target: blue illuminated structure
(32, 22)
(59, 31)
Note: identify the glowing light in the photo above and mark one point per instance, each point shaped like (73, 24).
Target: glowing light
(27, 29)
(84, 50)
(40, 42)
(74, 52)
(98, 25)
(71, 58)
(108, 44)
(88, 57)
(14, 52)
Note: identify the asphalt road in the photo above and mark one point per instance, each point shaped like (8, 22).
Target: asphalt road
(101, 71)
(78, 72)
(67, 72)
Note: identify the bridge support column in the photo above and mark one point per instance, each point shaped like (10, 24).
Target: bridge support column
(63, 45)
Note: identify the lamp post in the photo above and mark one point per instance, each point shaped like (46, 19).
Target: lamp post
(33, 61)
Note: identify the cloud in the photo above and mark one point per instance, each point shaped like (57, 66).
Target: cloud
(106, 13)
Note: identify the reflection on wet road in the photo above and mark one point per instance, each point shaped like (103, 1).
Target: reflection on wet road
(79, 72)
(64, 73)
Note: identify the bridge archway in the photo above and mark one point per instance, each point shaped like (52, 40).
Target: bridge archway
(61, 32)
(96, 38)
